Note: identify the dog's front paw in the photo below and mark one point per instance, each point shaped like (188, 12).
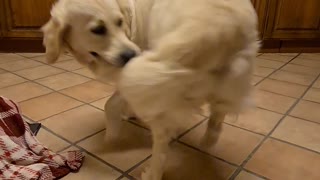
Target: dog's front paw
(209, 140)
(146, 175)
(110, 138)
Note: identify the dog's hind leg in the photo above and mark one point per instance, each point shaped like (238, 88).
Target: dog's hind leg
(214, 127)
(161, 138)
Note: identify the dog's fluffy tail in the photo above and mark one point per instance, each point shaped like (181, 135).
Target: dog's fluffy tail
(151, 86)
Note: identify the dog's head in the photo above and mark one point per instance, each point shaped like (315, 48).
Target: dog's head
(95, 32)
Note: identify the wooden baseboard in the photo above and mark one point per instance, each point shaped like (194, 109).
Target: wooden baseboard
(291, 46)
(268, 46)
(312, 46)
(21, 45)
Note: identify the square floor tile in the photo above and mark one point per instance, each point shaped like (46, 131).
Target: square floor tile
(257, 120)
(62, 81)
(24, 91)
(262, 71)
(10, 57)
(317, 84)
(31, 55)
(39, 72)
(77, 123)
(255, 80)
(313, 95)
(231, 140)
(300, 132)
(51, 141)
(277, 57)
(133, 146)
(273, 102)
(268, 63)
(8, 79)
(69, 65)
(89, 91)
(2, 71)
(306, 62)
(247, 176)
(190, 164)
(277, 160)
(293, 77)
(310, 56)
(307, 110)
(93, 169)
(100, 103)
(85, 72)
(19, 65)
(282, 87)
(42, 107)
(43, 59)
(304, 70)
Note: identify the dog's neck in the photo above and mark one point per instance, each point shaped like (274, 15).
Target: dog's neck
(133, 19)
(139, 13)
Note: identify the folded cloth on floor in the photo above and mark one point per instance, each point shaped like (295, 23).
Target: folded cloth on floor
(22, 156)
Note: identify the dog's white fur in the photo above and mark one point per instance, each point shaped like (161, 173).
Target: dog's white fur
(193, 52)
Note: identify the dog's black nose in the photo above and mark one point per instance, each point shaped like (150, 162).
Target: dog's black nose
(127, 55)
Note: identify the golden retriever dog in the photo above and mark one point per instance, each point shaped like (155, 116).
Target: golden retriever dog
(169, 57)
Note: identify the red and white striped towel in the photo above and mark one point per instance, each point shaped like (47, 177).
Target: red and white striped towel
(22, 156)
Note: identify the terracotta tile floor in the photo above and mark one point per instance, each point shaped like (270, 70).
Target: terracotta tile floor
(279, 139)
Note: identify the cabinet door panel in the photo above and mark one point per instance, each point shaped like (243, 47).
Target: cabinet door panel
(289, 19)
(23, 18)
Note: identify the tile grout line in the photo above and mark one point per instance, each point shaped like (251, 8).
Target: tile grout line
(284, 81)
(277, 69)
(241, 167)
(82, 149)
(307, 120)
(127, 172)
(262, 58)
(296, 145)
(270, 78)
(302, 64)
(58, 92)
(174, 140)
(66, 70)
(258, 175)
(206, 153)
(133, 123)
(83, 103)
(190, 129)
(75, 144)
(275, 93)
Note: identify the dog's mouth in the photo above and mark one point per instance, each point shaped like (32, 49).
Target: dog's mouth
(117, 62)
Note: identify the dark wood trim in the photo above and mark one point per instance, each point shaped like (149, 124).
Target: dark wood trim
(21, 45)
(270, 46)
(311, 46)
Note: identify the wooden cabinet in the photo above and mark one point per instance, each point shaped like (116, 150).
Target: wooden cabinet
(23, 18)
(284, 25)
(293, 19)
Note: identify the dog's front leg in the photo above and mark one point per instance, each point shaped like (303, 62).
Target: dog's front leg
(114, 108)
(214, 127)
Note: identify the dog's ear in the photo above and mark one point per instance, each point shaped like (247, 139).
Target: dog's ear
(127, 9)
(53, 33)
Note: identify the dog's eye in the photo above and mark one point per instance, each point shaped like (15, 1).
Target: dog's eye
(99, 30)
(94, 54)
(119, 22)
